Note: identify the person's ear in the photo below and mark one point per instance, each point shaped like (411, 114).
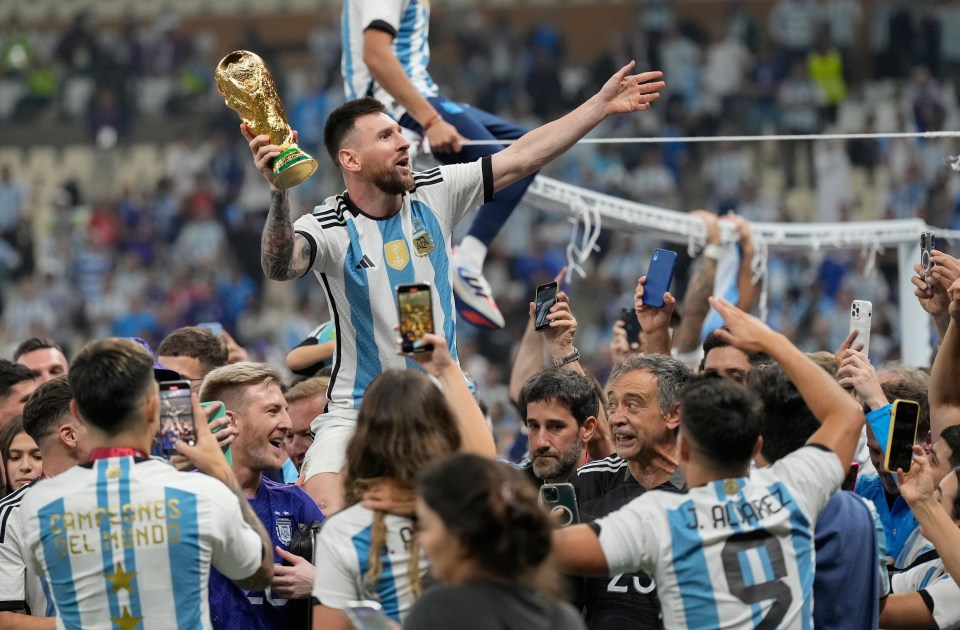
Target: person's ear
(68, 434)
(231, 418)
(349, 160)
(757, 455)
(587, 429)
(672, 419)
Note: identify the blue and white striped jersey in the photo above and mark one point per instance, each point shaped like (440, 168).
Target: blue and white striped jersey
(943, 594)
(342, 552)
(360, 259)
(734, 553)
(129, 543)
(408, 21)
(20, 587)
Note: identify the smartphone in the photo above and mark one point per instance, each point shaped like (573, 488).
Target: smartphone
(632, 326)
(659, 276)
(562, 497)
(926, 251)
(544, 300)
(850, 481)
(366, 614)
(215, 327)
(415, 310)
(176, 419)
(861, 312)
(903, 435)
(221, 412)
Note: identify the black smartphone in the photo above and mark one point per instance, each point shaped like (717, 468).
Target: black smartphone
(926, 251)
(659, 276)
(850, 481)
(632, 326)
(902, 436)
(176, 419)
(415, 310)
(560, 499)
(544, 300)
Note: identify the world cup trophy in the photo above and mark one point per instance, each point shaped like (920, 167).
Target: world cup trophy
(248, 88)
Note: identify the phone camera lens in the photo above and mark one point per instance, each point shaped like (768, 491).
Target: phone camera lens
(551, 495)
(656, 255)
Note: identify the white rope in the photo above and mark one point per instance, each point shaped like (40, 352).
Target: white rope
(955, 160)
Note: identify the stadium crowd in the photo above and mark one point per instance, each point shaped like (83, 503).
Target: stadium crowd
(723, 472)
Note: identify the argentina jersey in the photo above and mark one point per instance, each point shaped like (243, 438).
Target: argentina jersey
(734, 553)
(20, 587)
(408, 21)
(360, 259)
(127, 543)
(342, 555)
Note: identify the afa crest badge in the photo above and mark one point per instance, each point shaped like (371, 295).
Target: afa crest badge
(284, 530)
(422, 243)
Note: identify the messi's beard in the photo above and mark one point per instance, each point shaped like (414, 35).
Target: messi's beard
(391, 182)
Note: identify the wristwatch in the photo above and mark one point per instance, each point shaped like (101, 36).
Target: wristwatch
(570, 358)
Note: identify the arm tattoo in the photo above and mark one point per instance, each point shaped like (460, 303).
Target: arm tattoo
(276, 243)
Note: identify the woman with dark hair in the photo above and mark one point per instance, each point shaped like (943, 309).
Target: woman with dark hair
(488, 542)
(404, 423)
(21, 456)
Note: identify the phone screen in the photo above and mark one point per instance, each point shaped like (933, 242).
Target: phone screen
(850, 481)
(367, 617)
(903, 435)
(176, 419)
(416, 315)
(544, 300)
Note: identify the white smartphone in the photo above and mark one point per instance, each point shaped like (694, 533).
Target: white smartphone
(366, 614)
(861, 312)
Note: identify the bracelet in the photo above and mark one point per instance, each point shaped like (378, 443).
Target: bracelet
(432, 121)
(570, 358)
(712, 251)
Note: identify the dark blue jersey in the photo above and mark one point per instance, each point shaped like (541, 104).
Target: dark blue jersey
(280, 508)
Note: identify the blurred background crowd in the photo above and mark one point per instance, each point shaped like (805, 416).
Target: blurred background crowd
(129, 205)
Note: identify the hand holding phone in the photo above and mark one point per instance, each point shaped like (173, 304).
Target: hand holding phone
(415, 311)
(663, 262)
(176, 419)
(544, 299)
(902, 436)
(560, 499)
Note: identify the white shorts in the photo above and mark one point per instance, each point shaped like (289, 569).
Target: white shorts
(331, 434)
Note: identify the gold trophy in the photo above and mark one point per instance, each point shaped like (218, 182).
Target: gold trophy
(247, 88)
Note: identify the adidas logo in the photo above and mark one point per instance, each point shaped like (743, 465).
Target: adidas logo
(365, 263)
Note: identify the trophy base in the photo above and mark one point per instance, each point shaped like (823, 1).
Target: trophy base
(292, 167)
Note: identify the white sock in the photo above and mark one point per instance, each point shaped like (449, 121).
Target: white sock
(471, 253)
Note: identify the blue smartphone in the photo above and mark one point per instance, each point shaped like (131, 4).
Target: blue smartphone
(659, 276)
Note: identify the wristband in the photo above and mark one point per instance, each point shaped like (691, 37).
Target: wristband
(713, 251)
(432, 121)
(570, 358)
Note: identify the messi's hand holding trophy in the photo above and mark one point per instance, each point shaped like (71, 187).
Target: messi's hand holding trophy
(247, 87)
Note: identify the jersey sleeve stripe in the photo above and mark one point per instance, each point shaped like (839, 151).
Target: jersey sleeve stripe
(486, 166)
(380, 25)
(313, 250)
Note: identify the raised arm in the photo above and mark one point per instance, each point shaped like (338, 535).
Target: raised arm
(620, 95)
(699, 288)
(654, 321)
(920, 491)
(284, 255)
(943, 392)
(475, 435)
(841, 418)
